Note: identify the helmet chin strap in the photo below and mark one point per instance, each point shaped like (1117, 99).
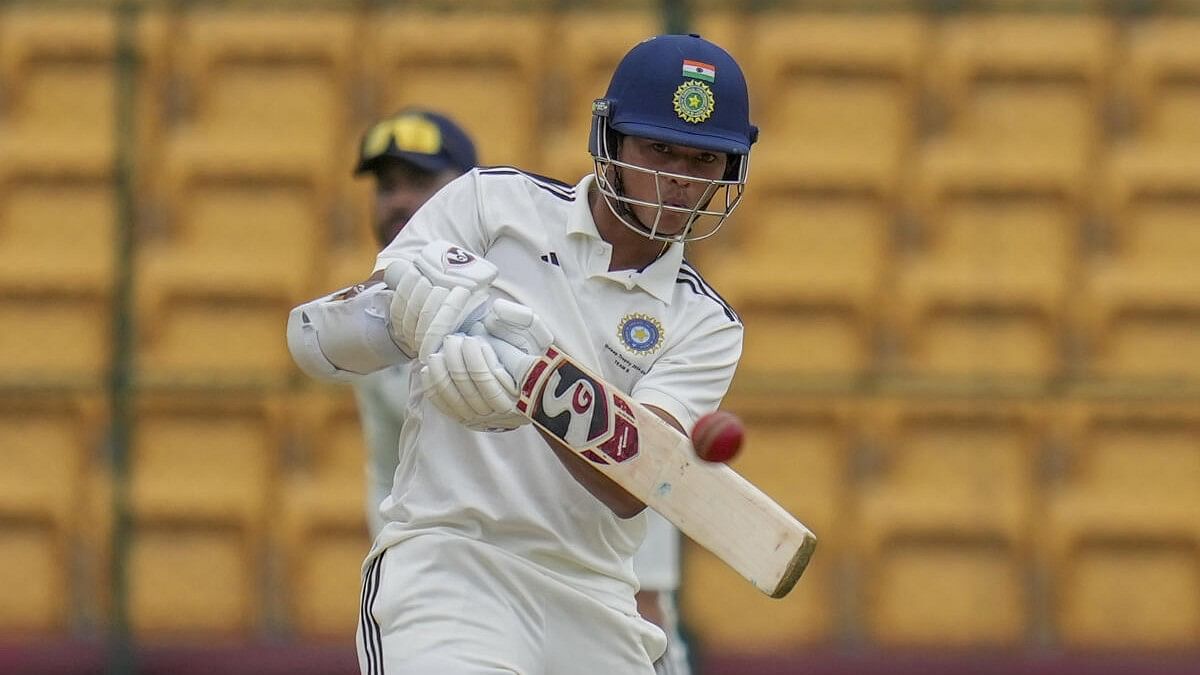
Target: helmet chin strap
(625, 209)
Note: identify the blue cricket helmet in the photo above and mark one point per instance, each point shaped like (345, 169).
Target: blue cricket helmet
(681, 90)
(649, 90)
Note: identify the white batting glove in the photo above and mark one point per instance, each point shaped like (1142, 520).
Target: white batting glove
(465, 380)
(518, 336)
(435, 294)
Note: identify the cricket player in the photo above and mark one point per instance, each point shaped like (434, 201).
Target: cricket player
(503, 552)
(411, 155)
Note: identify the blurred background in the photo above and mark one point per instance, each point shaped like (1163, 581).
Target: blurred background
(968, 263)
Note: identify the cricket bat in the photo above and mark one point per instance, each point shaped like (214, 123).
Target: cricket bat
(626, 441)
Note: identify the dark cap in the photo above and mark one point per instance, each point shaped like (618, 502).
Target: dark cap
(427, 140)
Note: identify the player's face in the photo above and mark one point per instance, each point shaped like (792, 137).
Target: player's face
(401, 189)
(674, 190)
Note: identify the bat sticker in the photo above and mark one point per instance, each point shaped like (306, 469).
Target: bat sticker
(579, 410)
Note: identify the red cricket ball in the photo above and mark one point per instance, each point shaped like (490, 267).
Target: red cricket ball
(717, 436)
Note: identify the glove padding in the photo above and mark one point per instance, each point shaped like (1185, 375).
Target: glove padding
(475, 378)
(518, 336)
(435, 294)
(466, 381)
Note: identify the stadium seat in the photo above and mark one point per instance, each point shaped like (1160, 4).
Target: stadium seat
(204, 473)
(57, 205)
(985, 293)
(242, 248)
(586, 48)
(1158, 80)
(57, 251)
(324, 537)
(485, 72)
(57, 70)
(1139, 311)
(805, 270)
(255, 161)
(944, 529)
(276, 85)
(1000, 195)
(46, 446)
(54, 338)
(1128, 509)
(1023, 98)
(799, 452)
(835, 96)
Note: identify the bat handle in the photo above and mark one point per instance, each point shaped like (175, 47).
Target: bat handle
(517, 362)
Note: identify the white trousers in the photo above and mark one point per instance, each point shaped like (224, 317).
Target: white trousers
(453, 606)
(675, 660)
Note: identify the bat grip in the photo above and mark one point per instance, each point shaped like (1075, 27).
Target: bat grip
(517, 362)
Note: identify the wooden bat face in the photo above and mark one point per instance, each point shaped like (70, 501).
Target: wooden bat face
(648, 457)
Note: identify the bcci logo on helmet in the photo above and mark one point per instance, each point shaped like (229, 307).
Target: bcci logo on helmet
(694, 102)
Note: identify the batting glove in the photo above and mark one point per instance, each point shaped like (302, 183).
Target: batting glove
(466, 381)
(518, 336)
(435, 294)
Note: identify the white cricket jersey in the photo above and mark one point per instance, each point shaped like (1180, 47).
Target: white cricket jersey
(661, 335)
(382, 404)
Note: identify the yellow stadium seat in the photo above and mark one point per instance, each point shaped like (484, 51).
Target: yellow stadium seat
(57, 70)
(835, 96)
(324, 535)
(805, 271)
(1139, 313)
(57, 205)
(252, 170)
(57, 228)
(204, 471)
(54, 339)
(251, 176)
(483, 69)
(586, 48)
(1129, 508)
(232, 338)
(57, 251)
(243, 245)
(46, 444)
(986, 294)
(799, 453)
(1023, 98)
(944, 527)
(1001, 196)
(1158, 79)
(276, 84)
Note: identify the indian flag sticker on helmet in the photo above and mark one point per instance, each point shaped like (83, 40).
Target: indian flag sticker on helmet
(699, 70)
(694, 102)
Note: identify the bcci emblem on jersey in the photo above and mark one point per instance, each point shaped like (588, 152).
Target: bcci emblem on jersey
(640, 334)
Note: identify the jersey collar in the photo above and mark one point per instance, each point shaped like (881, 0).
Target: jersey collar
(657, 278)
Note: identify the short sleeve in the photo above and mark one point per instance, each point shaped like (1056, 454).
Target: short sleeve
(694, 375)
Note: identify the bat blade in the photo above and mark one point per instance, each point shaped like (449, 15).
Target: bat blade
(711, 503)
